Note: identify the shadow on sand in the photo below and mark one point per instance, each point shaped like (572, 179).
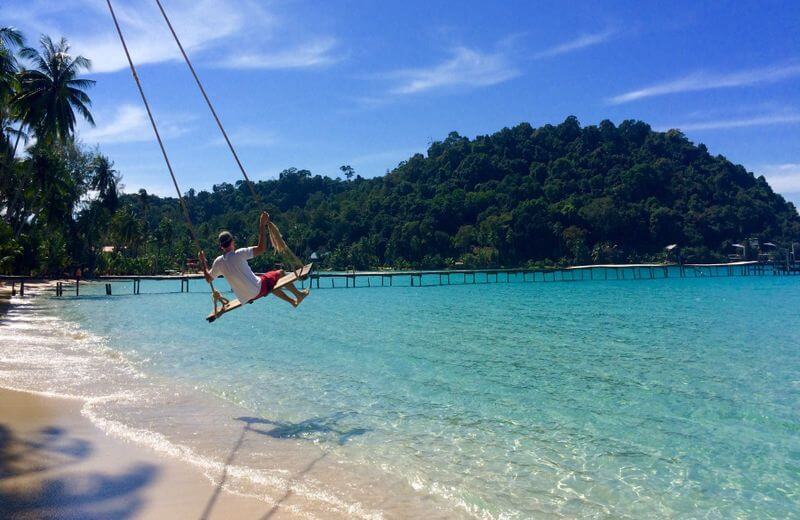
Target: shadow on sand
(84, 495)
(308, 429)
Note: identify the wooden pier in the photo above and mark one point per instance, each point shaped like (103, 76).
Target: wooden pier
(429, 278)
(118, 284)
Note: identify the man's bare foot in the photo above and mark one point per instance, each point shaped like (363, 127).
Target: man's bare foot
(302, 296)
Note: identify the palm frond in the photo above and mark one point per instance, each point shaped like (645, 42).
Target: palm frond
(83, 110)
(34, 56)
(81, 83)
(82, 62)
(78, 95)
(11, 37)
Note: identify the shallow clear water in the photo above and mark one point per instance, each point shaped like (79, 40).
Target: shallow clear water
(652, 398)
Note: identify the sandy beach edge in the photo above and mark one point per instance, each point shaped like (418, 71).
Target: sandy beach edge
(55, 463)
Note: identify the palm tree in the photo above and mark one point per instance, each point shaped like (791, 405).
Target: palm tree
(10, 131)
(52, 92)
(105, 181)
(55, 188)
(126, 228)
(10, 39)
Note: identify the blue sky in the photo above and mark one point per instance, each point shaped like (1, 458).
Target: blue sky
(320, 84)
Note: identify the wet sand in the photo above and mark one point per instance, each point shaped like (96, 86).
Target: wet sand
(55, 464)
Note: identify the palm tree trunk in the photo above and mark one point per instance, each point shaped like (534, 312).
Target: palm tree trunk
(16, 142)
(18, 191)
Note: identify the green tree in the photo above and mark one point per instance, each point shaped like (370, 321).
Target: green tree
(10, 40)
(105, 181)
(52, 91)
(126, 230)
(348, 171)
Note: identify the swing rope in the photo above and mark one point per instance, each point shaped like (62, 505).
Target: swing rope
(215, 295)
(275, 237)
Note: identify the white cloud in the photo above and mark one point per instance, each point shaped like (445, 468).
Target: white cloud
(316, 53)
(212, 31)
(720, 124)
(705, 81)
(581, 42)
(466, 68)
(130, 124)
(784, 178)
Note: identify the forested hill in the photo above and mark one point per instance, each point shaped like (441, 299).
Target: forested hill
(555, 194)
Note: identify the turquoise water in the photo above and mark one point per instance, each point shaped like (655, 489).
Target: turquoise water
(607, 399)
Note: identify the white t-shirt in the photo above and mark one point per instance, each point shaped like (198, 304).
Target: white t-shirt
(234, 267)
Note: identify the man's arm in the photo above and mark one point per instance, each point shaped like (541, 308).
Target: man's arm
(262, 234)
(204, 265)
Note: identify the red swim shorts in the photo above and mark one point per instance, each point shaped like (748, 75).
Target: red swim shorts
(268, 281)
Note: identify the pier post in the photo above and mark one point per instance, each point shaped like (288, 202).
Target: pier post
(108, 289)
(22, 287)
(13, 288)
(77, 287)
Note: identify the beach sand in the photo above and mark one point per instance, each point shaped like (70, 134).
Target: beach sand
(55, 464)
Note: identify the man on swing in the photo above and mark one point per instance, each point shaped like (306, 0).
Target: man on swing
(232, 264)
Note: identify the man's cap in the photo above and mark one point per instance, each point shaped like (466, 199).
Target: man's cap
(225, 238)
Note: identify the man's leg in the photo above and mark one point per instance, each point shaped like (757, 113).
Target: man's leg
(283, 296)
(297, 294)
